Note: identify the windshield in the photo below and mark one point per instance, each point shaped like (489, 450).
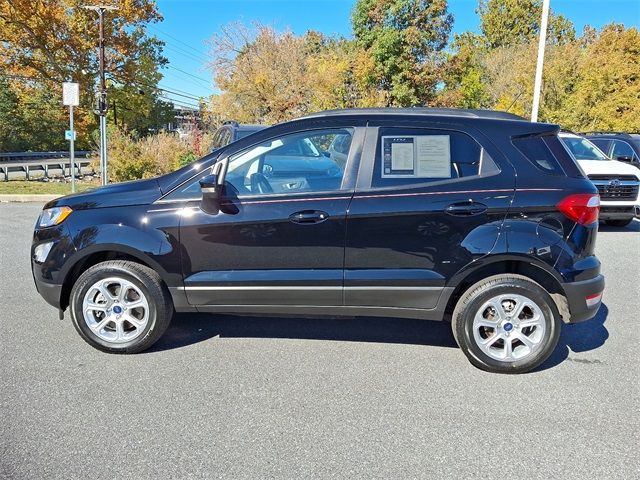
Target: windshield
(583, 149)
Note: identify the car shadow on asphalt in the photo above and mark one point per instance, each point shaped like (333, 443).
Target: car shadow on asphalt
(633, 227)
(579, 337)
(188, 329)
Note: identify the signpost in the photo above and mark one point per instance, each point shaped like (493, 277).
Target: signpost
(71, 98)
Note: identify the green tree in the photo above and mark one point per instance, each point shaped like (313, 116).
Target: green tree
(510, 22)
(405, 39)
(465, 76)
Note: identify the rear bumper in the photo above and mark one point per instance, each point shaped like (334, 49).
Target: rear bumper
(584, 298)
(618, 212)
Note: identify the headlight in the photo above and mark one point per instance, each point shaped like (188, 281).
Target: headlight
(53, 216)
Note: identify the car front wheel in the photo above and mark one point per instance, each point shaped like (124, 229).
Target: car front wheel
(506, 324)
(120, 307)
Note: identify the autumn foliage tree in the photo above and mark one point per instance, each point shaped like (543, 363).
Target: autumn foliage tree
(46, 42)
(590, 82)
(267, 76)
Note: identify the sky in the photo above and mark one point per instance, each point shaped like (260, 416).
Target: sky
(189, 23)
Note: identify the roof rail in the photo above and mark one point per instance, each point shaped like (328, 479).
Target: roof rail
(606, 133)
(449, 112)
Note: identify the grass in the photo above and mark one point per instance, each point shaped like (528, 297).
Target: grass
(35, 187)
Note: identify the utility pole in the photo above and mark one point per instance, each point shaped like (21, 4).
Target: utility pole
(541, 44)
(102, 105)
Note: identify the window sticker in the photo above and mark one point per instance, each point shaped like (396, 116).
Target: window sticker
(416, 156)
(434, 156)
(398, 157)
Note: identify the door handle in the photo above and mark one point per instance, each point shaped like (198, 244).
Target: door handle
(466, 209)
(308, 217)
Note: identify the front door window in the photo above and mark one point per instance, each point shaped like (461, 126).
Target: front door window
(298, 163)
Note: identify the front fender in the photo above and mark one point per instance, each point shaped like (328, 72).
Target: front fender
(129, 231)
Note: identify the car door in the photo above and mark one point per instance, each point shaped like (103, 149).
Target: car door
(622, 150)
(279, 237)
(430, 198)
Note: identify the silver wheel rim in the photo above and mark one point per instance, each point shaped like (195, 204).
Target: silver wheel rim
(509, 327)
(115, 310)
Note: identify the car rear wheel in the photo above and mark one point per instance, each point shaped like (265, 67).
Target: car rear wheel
(506, 324)
(120, 307)
(618, 223)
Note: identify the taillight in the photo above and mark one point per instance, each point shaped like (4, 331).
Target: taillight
(581, 207)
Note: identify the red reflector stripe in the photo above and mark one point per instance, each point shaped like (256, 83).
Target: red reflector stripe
(593, 300)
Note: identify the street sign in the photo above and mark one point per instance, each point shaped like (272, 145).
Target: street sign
(71, 98)
(70, 94)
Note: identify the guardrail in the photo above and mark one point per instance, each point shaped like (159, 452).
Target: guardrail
(29, 162)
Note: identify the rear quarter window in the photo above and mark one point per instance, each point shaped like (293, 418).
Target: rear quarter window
(548, 155)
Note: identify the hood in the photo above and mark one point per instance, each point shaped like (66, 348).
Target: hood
(137, 192)
(608, 167)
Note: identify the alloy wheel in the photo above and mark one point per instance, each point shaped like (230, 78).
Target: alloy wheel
(116, 310)
(509, 327)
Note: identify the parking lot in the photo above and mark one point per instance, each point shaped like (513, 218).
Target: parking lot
(239, 397)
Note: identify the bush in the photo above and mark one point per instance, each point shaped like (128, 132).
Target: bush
(131, 159)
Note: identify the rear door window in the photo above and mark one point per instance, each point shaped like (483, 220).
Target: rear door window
(406, 157)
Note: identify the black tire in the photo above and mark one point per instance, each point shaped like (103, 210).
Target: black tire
(149, 283)
(476, 296)
(618, 223)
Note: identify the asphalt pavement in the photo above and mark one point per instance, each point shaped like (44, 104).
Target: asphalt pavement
(240, 397)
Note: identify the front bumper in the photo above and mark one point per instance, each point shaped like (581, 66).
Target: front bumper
(584, 298)
(50, 292)
(619, 212)
(50, 250)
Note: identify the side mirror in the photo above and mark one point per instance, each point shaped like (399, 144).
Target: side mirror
(211, 194)
(624, 158)
(212, 187)
(326, 154)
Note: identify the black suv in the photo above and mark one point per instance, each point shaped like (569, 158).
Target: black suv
(231, 131)
(475, 217)
(624, 147)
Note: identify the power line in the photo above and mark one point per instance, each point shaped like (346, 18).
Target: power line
(160, 88)
(178, 90)
(153, 27)
(182, 79)
(179, 102)
(185, 54)
(190, 74)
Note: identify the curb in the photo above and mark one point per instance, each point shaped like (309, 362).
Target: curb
(24, 198)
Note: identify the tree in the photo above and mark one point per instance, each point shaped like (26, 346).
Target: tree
(607, 93)
(465, 76)
(510, 22)
(267, 76)
(261, 72)
(46, 42)
(405, 39)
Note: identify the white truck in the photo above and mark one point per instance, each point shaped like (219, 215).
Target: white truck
(618, 183)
